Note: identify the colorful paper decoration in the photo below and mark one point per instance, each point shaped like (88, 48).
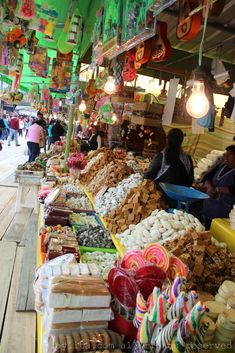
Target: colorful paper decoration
(39, 62)
(26, 9)
(61, 74)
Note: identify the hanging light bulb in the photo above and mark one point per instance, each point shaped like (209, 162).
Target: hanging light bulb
(114, 118)
(109, 86)
(82, 106)
(197, 105)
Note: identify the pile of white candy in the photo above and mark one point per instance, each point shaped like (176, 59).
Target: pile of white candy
(206, 164)
(73, 189)
(158, 227)
(114, 196)
(83, 219)
(79, 203)
(104, 261)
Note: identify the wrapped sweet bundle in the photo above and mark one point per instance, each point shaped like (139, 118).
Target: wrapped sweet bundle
(159, 226)
(82, 219)
(79, 203)
(110, 175)
(94, 236)
(64, 265)
(112, 198)
(54, 215)
(104, 261)
(76, 302)
(58, 240)
(138, 204)
(85, 341)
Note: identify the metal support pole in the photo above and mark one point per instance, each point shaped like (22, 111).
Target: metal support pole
(69, 135)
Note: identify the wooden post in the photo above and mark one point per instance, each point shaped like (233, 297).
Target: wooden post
(69, 135)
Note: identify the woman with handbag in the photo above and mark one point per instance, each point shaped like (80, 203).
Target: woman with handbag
(35, 138)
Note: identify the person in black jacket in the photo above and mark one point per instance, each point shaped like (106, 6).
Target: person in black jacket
(172, 165)
(57, 131)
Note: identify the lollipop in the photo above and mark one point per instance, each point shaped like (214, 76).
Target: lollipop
(176, 310)
(144, 331)
(133, 260)
(199, 339)
(180, 338)
(176, 267)
(191, 300)
(177, 286)
(157, 304)
(193, 318)
(158, 255)
(165, 336)
(140, 310)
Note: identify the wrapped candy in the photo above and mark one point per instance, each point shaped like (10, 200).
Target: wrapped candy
(140, 310)
(165, 336)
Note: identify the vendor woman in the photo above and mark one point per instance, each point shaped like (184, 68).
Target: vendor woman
(172, 165)
(220, 184)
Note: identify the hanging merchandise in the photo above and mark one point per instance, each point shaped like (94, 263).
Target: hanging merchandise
(61, 74)
(63, 45)
(39, 62)
(31, 95)
(13, 54)
(138, 24)
(106, 113)
(32, 42)
(18, 73)
(15, 38)
(129, 71)
(46, 10)
(4, 58)
(188, 26)
(221, 75)
(118, 79)
(161, 46)
(97, 49)
(9, 7)
(45, 95)
(208, 120)
(56, 105)
(25, 9)
(111, 32)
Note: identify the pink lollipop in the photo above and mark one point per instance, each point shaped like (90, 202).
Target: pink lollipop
(140, 310)
(158, 255)
(176, 267)
(133, 260)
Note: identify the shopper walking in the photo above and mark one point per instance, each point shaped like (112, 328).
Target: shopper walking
(49, 130)
(21, 127)
(34, 138)
(14, 125)
(42, 122)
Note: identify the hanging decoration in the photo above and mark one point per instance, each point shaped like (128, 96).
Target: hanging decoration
(129, 71)
(18, 73)
(61, 73)
(25, 9)
(118, 79)
(32, 42)
(45, 95)
(15, 38)
(97, 49)
(39, 62)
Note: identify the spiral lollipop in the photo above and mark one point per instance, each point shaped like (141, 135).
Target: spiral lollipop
(180, 338)
(140, 310)
(176, 309)
(177, 287)
(165, 336)
(133, 260)
(158, 255)
(193, 318)
(191, 300)
(176, 267)
(199, 339)
(157, 303)
(144, 331)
